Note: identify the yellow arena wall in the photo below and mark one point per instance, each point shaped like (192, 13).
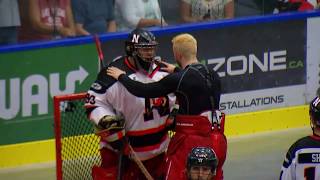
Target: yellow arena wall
(236, 125)
(268, 120)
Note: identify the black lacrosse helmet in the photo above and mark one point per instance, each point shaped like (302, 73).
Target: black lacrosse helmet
(202, 156)
(139, 38)
(314, 110)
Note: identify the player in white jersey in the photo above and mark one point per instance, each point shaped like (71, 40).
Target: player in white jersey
(141, 120)
(303, 158)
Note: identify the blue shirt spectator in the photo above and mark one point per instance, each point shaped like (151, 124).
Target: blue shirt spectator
(94, 16)
(9, 21)
(132, 14)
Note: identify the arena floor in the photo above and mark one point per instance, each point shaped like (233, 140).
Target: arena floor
(250, 157)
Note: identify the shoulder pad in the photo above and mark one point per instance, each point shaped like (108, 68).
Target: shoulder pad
(118, 62)
(117, 58)
(106, 81)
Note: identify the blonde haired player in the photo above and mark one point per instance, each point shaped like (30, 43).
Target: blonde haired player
(198, 121)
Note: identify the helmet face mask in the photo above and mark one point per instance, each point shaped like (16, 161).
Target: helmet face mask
(146, 53)
(141, 45)
(201, 163)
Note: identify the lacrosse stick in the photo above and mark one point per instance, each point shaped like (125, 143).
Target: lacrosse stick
(136, 159)
(100, 53)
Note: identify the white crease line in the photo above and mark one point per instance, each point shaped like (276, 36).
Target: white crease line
(28, 167)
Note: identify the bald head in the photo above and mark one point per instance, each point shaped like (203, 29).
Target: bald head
(185, 45)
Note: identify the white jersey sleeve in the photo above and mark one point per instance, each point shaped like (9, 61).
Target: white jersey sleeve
(302, 160)
(145, 118)
(101, 107)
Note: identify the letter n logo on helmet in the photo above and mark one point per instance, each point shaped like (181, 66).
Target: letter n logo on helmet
(135, 38)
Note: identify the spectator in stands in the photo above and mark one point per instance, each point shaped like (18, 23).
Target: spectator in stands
(266, 6)
(9, 21)
(46, 20)
(94, 16)
(295, 5)
(206, 10)
(132, 14)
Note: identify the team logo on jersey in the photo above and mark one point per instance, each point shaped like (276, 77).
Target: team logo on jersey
(96, 86)
(135, 38)
(160, 104)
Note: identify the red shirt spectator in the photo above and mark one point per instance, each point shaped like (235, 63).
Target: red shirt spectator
(46, 20)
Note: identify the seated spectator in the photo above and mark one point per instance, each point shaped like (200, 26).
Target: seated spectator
(266, 6)
(94, 16)
(206, 10)
(46, 20)
(9, 21)
(295, 5)
(132, 14)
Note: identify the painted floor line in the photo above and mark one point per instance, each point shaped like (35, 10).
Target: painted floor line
(28, 167)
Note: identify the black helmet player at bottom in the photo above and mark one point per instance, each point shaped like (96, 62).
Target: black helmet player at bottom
(200, 157)
(314, 110)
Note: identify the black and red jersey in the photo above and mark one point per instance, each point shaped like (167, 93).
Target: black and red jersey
(145, 118)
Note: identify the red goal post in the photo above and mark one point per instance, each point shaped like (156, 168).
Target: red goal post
(77, 147)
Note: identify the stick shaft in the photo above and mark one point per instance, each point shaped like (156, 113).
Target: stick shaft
(135, 158)
(100, 53)
(119, 173)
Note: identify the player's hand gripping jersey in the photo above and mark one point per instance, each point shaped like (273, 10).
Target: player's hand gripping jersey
(145, 118)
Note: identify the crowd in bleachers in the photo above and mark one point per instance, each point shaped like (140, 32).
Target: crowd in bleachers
(37, 20)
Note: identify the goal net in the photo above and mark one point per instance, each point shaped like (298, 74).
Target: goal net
(77, 147)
